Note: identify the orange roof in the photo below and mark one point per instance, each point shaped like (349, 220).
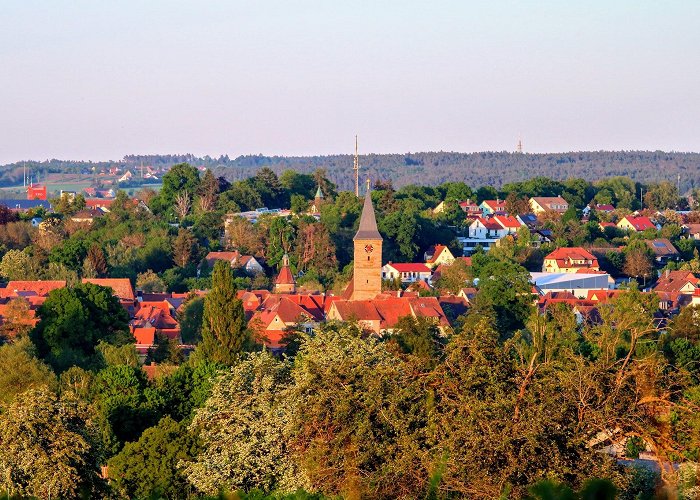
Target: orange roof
(144, 335)
(489, 223)
(639, 223)
(573, 253)
(120, 286)
(507, 222)
(285, 277)
(41, 288)
(435, 252)
(410, 267)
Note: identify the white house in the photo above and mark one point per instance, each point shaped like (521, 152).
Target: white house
(486, 231)
(408, 272)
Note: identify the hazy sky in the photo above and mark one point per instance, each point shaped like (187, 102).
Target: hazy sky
(101, 79)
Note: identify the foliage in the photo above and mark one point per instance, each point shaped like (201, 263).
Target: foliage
(21, 371)
(74, 320)
(48, 448)
(148, 468)
(224, 333)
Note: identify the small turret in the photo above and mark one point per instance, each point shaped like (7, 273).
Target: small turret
(284, 283)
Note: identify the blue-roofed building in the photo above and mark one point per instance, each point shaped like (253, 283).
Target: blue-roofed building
(25, 205)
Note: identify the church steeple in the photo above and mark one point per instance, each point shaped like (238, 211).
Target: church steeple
(367, 266)
(368, 222)
(285, 279)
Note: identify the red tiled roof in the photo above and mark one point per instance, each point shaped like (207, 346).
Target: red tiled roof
(566, 257)
(507, 222)
(489, 223)
(285, 277)
(435, 251)
(640, 223)
(121, 286)
(39, 287)
(410, 267)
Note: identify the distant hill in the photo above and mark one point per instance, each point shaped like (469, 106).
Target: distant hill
(430, 168)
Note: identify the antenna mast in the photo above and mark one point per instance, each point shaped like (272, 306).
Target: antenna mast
(520, 146)
(356, 168)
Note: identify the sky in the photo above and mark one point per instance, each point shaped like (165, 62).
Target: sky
(97, 80)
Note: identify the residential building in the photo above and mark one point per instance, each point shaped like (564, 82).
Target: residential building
(491, 207)
(249, 263)
(663, 250)
(407, 272)
(437, 255)
(36, 192)
(541, 204)
(631, 223)
(570, 260)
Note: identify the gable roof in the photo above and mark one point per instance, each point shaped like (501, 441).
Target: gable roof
(410, 267)
(39, 287)
(571, 253)
(488, 223)
(507, 221)
(547, 201)
(434, 252)
(662, 247)
(120, 286)
(638, 223)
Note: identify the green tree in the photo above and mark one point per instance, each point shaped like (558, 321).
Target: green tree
(180, 178)
(242, 430)
(74, 320)
(48, 448)
(191, 319)
(17, 265)
(149, 467)
(224, 333)
(183, 247)
(150, 282)
(21, 371)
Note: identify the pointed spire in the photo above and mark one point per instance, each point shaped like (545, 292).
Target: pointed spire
(285, 279)
(368, 223)
(319, 193)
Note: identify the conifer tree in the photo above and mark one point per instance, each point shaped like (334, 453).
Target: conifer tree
(224, 334)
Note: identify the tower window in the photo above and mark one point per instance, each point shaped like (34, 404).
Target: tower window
(368, 258)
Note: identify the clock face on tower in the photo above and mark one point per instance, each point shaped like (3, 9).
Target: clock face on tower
(369, 248)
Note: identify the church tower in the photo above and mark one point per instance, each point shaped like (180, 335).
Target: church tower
(284, 283)
(367, 272)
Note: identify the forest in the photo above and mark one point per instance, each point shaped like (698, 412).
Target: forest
(426, 168)
(509, 402)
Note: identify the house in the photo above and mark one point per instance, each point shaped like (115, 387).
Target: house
(437, 255)
(529, 220)
(39, 288)
(663, 250)
(692, 231)
(159, 315)
(470, 208)
(36, 192)
(683, 282)
(605, 208)
(570, 260)
(126, 177)
(490, 207)
(541, 204)
(86, 216)
(249, 263)
(408, 272)
(630, 223)
(381, 315)
(280, 313)
(121, 288)
(510, 225)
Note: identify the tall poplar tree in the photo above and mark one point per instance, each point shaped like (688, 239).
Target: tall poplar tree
(224, 333)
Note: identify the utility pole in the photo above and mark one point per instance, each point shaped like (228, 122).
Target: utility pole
(356, 168)
(679, 183)
(641, 199)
